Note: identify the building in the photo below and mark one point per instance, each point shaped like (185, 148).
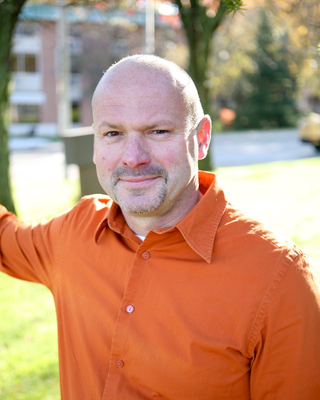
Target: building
(96, 39)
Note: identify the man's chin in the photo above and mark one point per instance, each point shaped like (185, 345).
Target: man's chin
(141, 205)
(138, 209)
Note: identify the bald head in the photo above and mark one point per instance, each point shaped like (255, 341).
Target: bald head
(155, 75)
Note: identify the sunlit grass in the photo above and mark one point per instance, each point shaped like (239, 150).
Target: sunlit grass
(284, 195)
(28, 349)
(36, 201)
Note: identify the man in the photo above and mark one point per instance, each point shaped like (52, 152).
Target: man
(167, 291)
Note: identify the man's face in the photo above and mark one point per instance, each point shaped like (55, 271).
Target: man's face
(144, 148)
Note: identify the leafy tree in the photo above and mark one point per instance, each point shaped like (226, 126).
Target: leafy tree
(302, 18)
(9, 12)
(200, 20)
(269, 99)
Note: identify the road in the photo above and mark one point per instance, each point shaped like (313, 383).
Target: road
(254, 147)
(36, 160)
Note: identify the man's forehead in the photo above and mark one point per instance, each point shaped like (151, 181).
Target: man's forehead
(136, 79)
(123, 104)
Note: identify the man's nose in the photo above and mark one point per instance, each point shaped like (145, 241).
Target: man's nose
(135, 152)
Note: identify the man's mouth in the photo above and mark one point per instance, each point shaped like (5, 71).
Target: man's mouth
(137, 181)
(137, 178)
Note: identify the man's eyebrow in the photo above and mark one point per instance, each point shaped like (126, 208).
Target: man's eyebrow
(108, 124)
(158, 124)
(153, 125)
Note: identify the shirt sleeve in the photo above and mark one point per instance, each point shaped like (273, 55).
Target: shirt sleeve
(286, 364)
(29, 251)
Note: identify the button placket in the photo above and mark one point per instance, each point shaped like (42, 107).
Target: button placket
(122, 327)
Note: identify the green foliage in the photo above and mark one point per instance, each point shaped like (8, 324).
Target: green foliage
(232, 6)
(266, 99)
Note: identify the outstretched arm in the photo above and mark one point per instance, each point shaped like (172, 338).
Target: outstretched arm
(28, 251)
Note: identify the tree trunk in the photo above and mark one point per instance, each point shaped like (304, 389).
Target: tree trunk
(9, 12)
(199, 29)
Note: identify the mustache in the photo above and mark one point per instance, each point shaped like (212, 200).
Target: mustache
(146, 170)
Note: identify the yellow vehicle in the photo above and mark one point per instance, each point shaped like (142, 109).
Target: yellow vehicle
(309, 129)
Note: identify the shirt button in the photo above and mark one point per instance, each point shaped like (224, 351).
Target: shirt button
(130, 309)
(146, 255)
(119, 364)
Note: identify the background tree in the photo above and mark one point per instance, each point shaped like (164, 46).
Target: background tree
(269, 98)
(9, 13)
(200, 20)
(303, 19)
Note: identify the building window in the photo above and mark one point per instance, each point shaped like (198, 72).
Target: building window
(75, 64)
(27, 28)
(23, 62)
(30, 63)
(75, 112)
(25, 113)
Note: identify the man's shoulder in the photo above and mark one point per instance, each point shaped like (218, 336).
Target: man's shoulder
(93, 203)
(96, 201)
(255, 236)
(90, 209)
(259, 256)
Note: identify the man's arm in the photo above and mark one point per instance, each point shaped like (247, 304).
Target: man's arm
(287, 348)
(28, 251)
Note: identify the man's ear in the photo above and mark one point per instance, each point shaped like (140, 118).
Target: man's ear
(204, 136)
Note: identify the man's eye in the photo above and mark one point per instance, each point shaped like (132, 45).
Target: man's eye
(159, 131)
(111, 133)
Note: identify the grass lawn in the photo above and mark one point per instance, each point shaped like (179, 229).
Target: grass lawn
(284, 195)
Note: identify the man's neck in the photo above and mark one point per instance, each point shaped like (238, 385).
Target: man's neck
(143, 223)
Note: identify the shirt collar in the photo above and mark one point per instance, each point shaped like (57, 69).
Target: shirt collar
(198, 227)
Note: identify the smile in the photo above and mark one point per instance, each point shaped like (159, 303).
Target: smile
(138, 181)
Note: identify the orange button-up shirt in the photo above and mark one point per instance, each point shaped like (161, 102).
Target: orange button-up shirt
(216, 307)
